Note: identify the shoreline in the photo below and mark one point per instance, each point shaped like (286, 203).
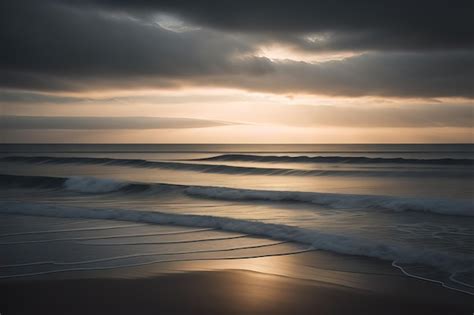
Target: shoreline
(212, 292)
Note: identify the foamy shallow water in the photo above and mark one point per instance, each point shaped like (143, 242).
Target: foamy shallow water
(57, 245)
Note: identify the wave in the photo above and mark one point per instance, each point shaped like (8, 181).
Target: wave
(82, 184)
(340, 201)
(339, 243)
(333, 200)
(229, 169)
(333, 159)
(138, 163)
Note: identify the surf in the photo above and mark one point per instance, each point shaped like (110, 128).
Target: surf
(334, 242)
(94, 185)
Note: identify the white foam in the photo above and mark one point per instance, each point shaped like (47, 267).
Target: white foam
(92, 184)
(351, 201)
(394, 264)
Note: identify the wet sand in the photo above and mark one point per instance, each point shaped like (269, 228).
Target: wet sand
(217, 292)
(310, 282)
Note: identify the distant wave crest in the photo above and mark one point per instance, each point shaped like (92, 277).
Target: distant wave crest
(138, 163)
(333, 159)
(249, 170)
(93, 185)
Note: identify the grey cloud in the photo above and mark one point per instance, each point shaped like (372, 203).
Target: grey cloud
(368, 24)
(102, 123)
(56, 46)
(12, 98)
(395, 74)
(62, 42)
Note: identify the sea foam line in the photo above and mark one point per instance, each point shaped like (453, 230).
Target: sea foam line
(153, 262)
(143, 255)
(199, 240)
(105, 237)
(443, 284)
(72, 230)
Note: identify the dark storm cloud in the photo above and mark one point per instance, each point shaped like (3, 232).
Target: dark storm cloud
(60, 41)
(368, 24)
(93, 45)
(389, 74)
(99, 123)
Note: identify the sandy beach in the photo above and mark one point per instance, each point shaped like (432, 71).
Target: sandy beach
(218, 292)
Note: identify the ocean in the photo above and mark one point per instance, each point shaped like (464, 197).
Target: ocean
(72, 207)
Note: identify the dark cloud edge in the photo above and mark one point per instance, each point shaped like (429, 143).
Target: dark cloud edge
(79, 49)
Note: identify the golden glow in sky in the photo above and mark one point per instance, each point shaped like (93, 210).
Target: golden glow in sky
(183, 72)
(251, 117)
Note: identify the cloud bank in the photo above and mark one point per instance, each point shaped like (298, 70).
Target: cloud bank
(404, 50)
(103, 123)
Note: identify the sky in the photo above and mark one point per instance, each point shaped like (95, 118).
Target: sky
(142, 71)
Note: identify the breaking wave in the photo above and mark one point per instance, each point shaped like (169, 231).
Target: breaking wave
(439, 206)
(93, 185)
(339, 243)
(333, 200)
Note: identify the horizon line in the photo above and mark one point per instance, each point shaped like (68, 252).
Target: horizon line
(340, 143)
